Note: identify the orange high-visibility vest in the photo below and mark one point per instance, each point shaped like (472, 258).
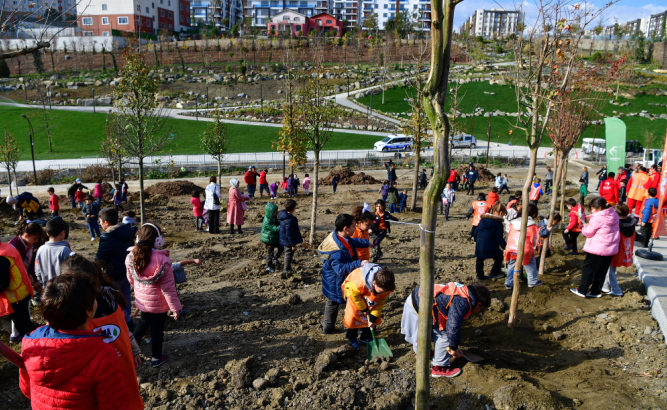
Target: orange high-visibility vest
(626, 248)
(450, 289)
(19, 282)
(637, 190)
(354, 317)
(479, 209)
(513, 243)
(534, 194)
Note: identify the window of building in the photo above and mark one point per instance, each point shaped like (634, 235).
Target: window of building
(328, 21)
(104, 7)
(169, 3)
(170, 15)
(298, 27)
(182, 19)
(181, 6)
(87, 21)
(147, 10)
(139, 8)
(171, 27)
(377, 6)
(297, 19)
(415, 7)
(386, 6)
(384, 15)
(123, 20)
(161, 13)
(153, 5)
(85, 33)
(105, 21)
(161, 1)
(162, 26)
(105, 33)
(148, 23)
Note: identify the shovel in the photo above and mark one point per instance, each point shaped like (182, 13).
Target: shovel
(471, 357)
(377, 348)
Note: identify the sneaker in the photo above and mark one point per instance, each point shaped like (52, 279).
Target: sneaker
(498, 276)
(448, 371)
(567, 248)
(365, 341)
(589, 295)
(15, 339)
(573, 253)
(270, 269)
(576, 292)
(277, 263)
(606, 291)
(538, 283)
(92, 239)
(508, 287)
(160, 361)
(354, 344)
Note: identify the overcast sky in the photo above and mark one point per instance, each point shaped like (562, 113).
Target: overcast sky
(624, 10)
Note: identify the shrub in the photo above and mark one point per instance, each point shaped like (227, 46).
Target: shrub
(4, 69)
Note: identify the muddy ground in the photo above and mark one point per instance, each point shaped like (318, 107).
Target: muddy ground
(238, 326)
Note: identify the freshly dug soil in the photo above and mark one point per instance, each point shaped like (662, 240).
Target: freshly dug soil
(347, 177)
(172, 188)
(484, 174)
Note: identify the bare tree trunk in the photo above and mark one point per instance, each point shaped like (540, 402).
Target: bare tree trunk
(316, 186)
(219, 170)
(141, 190)
(413, 206)
(552, 208)
(563, 185)
(9, 182)
(518, 266)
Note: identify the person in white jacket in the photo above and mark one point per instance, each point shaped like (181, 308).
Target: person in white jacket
(448, 198)
(212, 206)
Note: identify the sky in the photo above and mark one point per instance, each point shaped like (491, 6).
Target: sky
(623, 10)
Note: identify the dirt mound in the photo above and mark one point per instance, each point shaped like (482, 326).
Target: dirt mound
(172, 188)
(484, 174)
(347, 177)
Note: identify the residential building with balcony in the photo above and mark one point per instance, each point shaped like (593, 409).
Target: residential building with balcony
(493, 23)
(223, 13)
(261, 12)
(294, 23)
(349, 12)
(636, 26)
(656, 25)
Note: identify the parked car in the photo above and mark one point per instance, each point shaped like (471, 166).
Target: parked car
(464, 141)
(396, 142)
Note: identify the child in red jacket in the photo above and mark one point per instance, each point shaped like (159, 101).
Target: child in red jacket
(67, 365)
(571, 233)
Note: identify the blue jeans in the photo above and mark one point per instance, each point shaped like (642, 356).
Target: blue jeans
(94, 228)
(73, 202)
(334, 187)
(392, 208)
(531, 272)
(126, 290)
(262, 188)
(251, 190)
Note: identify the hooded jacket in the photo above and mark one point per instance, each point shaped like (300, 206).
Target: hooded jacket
(337, 263)
(290, 235)
(602, 233)
(71, 369)
(270, 227)
(235, 211)
(357, 294)
(154, 287)
(113, 249)
(489, 241)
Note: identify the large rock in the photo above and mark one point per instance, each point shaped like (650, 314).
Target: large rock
(241, 377)
(523, 396)
(498, 305)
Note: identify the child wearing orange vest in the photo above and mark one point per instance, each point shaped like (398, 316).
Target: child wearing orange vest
(365, 291)
(363, 220)
(636, 190)
(477, 209)
(649, 215)
(626, 249)
(381, 227)
(571, 233)
(453, 303)
(529, 264)
(535, 192)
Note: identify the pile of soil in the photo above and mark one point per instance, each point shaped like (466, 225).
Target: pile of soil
(172, 188)
(347, 177)
(484, 174)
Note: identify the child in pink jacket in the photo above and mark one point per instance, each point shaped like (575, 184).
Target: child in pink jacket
(306, 184)
(150, 274)
(603, 235)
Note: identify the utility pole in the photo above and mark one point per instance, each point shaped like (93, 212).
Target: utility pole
(472, 129)
(32, 147)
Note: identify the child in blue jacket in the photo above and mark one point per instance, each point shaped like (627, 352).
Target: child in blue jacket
(649, 215)
(402, 200)
(339, 256)
(290, 234)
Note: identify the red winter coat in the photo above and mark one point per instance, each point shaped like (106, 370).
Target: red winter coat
(262, 178)
(73, 370)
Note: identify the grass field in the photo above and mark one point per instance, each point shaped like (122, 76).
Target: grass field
(78, 134)
(505, 100)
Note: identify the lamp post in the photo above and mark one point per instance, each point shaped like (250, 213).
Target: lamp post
(94, 109)
(32, 147)
(472, 129)
(197, 106)
(48, 95)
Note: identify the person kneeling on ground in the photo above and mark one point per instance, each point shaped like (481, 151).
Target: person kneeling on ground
(365, 290)
(454, 302)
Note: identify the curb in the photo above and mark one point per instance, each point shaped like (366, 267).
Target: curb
(657, 298)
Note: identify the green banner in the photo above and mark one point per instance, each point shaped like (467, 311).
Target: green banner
(615, 143)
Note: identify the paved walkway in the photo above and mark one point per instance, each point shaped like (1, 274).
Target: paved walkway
(654, 276)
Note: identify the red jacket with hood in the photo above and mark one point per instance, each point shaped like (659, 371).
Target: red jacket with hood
(71, 369)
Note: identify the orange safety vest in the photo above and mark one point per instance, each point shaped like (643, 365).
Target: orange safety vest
(626, 248)
(19, 282)
(512, 247)
(512, 202)
(355, 318)
(479, 209)
(534, 193)
(637, 190)
(450, 289)
(114, 331)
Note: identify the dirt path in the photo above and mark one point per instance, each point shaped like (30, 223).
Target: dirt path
(237, 326)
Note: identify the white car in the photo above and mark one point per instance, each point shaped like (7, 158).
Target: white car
(464, 141)
(396, 142)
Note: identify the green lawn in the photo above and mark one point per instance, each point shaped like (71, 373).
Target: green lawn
(78, 134)
(505, 100)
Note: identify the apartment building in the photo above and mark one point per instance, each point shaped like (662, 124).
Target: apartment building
(100, 17)
(656, 25)
(636, 26)
(223, 13)
(39, 7)
(493, 23)
(261, 11)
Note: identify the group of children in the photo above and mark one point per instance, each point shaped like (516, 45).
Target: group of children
(390, 194)
(290, 186)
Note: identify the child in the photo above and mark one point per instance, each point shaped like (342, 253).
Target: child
(110, 321)
(271, 236)
(130, 218)
(290, 186)
(402, 200)
(118, 198)
(52, 253)
(489, 242)
(493, 197)
(150, 273)
(477, 209)
(571, 233)
(384, 190)
(284, 186)
(422, 179)
(609, 189)
(649, 214)
(544, 232)
(499, 181)
(16, 289)
(535, 192)
(622, 194)
(263, 183)
(198, 209)
(273, 190)
(583, 191)
(98, 192)
(54, 202)
(365, 290)
(290, 234)
(334, 183)
(66, 364)
(602, 237)
(339, 257)
(90, 211)
(506, 184)
(393, 198)
(512, 199)
(363, 220)
(296, 184)
(80, 197)
(529, 264)
(453, 303)
(448, 198)
(306, 184)
(381, 227)
(626, 249)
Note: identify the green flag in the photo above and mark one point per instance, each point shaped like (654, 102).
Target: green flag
(615, 146)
